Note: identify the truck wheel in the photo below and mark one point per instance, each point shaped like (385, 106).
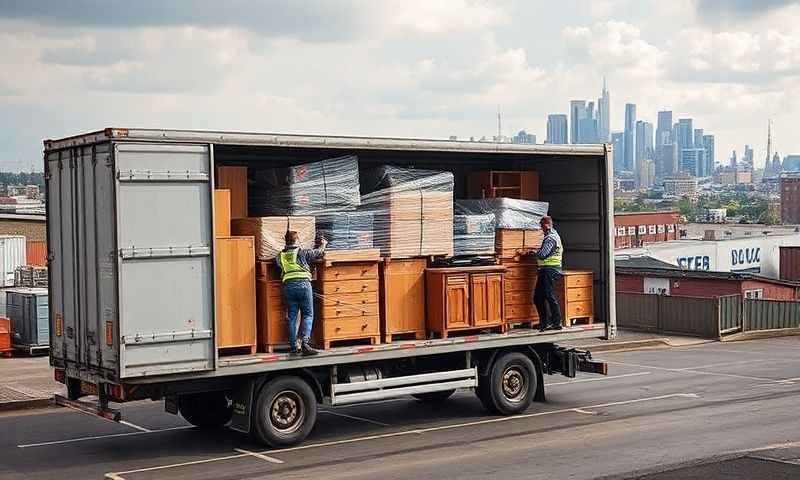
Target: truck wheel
(434, 397)
(511, 385)
(205, 410)
(285, 412)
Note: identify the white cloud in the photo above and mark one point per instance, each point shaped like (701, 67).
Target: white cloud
(440, 17)
(614, 45)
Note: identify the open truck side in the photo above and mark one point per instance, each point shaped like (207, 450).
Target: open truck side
(131, 256)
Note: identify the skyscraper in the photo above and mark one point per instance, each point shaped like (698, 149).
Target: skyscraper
(698, 137)
(604, 114)
(618, 144)
(644, 150)
(577, 111)
(663, 145)
(748, 156)
(684, 138)
(524, 137)
(693, 161)
(557, 129)
(710, 155)
(587, 126)
(630, 139)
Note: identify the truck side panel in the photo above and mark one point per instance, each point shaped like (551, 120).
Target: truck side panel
(166, 303)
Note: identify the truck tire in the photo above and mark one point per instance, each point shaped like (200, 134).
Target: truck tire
(285, 412)
(434, 397)
(206, 410)
(511, 385)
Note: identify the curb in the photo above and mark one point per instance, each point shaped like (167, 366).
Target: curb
(629, 345)
(26, 404)
(759, 334)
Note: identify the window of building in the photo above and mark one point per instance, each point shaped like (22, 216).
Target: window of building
(642, 229)
(651, 229)
(631, 230)
(661, 229)
(754, 294)
(620, 231)
(670, 228)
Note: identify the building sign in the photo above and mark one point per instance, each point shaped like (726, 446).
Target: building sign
(656, 286)
(746, 259)
(696, 262)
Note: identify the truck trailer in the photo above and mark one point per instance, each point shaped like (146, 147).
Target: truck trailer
(130, 218)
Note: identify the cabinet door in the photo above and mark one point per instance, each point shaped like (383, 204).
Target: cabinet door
(478, 299)
(494, 298)
(457, 296)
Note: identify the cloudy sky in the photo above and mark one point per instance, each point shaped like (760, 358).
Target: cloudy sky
(422, 68)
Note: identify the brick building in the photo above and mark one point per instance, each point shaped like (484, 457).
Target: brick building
(32, 227)
(691, 283)
(634, 229)
(790, 199)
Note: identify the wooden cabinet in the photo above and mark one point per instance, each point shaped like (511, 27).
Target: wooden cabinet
(465, 298)
(235, 180)
(518, 292)
(522, 184)
(235, 294)
(402, 298)
(222, 213)
(272, 327)
(347, 303)
(576, 297)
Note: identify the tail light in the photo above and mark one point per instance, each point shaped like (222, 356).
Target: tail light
(60, 375)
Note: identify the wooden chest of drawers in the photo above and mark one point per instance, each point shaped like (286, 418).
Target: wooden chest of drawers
(576, 297)
(468, 298)
(270, 311)
(402, 298)
(346, 305)
(518, 294)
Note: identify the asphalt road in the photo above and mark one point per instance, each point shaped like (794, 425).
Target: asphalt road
(708, 411)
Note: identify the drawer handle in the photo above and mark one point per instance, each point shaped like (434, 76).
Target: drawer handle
(336, 289)
(364, 327)
(338, 328)
(364, 271)
(363, 287)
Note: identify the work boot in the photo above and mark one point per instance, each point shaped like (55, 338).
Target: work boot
(293, 351)
(557, 326)
(307, 349)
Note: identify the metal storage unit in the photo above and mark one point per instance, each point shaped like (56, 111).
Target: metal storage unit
(12, 255)
(28, 310)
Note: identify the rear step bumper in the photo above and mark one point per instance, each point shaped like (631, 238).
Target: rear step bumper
(93, 408)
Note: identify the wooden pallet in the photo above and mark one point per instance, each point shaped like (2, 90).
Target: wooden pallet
(341, 342)
(415, 335)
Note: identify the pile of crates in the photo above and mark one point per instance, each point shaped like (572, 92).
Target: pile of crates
(30, 276)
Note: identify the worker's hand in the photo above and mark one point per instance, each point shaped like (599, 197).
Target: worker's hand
(323, 242)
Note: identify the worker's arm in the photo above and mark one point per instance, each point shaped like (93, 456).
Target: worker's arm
(315, 254)
(546, 249)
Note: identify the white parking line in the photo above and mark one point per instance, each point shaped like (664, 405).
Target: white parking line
(701, 372)
(100, 437)
(258, 455)
(586, 410)
(135, 427)
(353, 417)
(598, 379)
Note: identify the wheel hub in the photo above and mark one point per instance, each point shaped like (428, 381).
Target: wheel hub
(514, 385)
(287, 412)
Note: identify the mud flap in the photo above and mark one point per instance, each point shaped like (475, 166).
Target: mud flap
(242, 406)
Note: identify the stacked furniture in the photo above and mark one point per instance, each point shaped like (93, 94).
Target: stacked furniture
(269, 233)
(234, 179)
(521, 184)
(576, 297)
(473, 234)
(520, 282)
(465, 299)
(347, 305)
(234, 280)
(515, 243)
(402, 298)
(346, 230)
(272, 327)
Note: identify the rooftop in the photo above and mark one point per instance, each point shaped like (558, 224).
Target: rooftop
(702, 274)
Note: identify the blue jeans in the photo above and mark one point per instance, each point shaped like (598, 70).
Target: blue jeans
(544, 297)
(298, 295)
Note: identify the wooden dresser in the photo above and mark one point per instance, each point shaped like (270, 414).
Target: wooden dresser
(520, 281)
(270, 312)
(575, 296)
(402, 297)
(346, 306)
(464, 298)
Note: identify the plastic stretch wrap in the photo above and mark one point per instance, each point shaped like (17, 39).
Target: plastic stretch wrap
(347, 230)
(473, 234)
(309, 189)
(269, 233)
(508, 212)
(413, 211)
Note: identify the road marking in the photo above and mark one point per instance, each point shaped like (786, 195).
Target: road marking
(135, 427)
(100, 437)
(419, 431)
(598, 379)
(725, 364)
(701, 372)
(779, 460)
(585, 412)
(353, 417)
(258, 455)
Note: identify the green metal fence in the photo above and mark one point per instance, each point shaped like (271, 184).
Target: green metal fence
(730, 314)
(771, 314)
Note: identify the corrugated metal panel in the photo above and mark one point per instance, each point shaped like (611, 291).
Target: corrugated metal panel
(771, 314)
(637, 311)
(12, 255)
(730, 314)
(690, 316)
(36, 252)
(28, 311)
(790, 263)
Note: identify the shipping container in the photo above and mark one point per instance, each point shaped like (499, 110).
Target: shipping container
(790, 263)
(142, 323)
(28, 310)
(12, 255)
(36, 252)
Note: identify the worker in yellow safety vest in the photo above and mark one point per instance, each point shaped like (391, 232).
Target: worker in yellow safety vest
(295, 264)
(548, 258)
